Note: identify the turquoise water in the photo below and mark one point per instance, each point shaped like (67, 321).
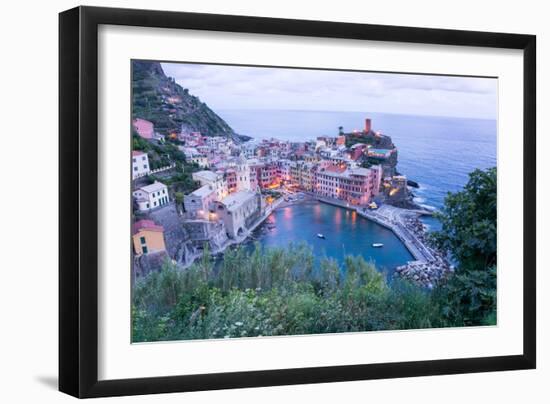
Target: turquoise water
(346, 233)
(436, 152)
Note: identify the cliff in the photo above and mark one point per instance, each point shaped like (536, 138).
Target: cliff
(159, 99)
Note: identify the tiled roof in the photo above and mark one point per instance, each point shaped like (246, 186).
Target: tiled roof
(335, 169)
(146, 225)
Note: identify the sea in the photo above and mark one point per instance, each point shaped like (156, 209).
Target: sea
(436, 152)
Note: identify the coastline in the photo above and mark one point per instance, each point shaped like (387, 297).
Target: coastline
(429, 265)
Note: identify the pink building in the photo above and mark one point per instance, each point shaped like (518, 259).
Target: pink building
(357, 151)
(144, 128)
(255, 174)
(356, 185)
(268, 175)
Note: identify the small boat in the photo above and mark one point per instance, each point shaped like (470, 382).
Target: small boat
(320, 235)
(377, 245)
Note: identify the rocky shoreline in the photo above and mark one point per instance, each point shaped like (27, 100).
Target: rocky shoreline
(427, 273)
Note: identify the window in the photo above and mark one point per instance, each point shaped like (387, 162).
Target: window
(135, 168)
(144, 249)
(145, 166)
(142, 240)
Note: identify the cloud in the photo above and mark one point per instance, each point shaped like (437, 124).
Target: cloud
(242, 87)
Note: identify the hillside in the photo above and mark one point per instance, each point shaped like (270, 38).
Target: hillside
(170, 107)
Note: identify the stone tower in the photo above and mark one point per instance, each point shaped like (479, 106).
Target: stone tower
(368, 125)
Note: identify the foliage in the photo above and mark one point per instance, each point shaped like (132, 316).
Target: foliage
(159, 99)
(273, 292)
(366, 163)
(469, 233)
(279, 291)
(468, 222)
(178, 196)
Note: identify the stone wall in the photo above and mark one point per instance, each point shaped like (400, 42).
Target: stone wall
(204, 231)
(175, 234)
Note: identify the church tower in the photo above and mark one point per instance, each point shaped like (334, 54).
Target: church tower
(243, 174)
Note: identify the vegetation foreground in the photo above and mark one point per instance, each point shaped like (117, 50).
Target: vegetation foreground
(267, 292)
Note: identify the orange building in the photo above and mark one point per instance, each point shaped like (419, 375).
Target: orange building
(148, 237)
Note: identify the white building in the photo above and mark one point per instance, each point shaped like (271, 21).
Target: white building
(321, 143)
(151, 196)
(239, 211)
(249, 149)
(216, 180)
(192, 155)
(140, 164)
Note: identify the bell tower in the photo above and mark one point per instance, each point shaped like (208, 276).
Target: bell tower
(243, 174)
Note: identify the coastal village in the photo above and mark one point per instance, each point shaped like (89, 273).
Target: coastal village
(238, 184)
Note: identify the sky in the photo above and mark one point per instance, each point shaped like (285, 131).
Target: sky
(241, 87)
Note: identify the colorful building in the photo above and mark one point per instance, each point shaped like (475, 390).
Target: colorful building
(357, 151)
(144, 128)
(198, 203)
(353, 185)
(147, 237)
(215, 179)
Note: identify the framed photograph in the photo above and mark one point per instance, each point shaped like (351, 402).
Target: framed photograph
(251, 201)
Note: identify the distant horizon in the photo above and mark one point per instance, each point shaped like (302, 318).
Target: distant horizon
(235, 87)
(356, 112)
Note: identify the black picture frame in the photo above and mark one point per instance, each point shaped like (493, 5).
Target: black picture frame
(78, 196)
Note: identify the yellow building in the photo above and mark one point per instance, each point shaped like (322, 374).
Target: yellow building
(148, 237)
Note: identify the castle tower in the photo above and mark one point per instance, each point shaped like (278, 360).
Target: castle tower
(367, 125)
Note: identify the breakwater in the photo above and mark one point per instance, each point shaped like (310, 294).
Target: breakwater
(429, 265)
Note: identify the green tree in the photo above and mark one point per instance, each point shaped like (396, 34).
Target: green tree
(468, 219)
(178, 196)
(469, 233)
